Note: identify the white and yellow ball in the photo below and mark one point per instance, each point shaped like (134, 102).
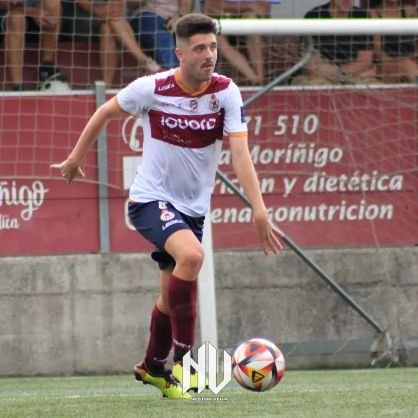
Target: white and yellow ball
(258, 365)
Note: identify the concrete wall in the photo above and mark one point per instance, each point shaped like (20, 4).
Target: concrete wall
(90, 313)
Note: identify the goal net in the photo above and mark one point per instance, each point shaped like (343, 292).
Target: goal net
(337, 162)
(336, 158)
(334, 155)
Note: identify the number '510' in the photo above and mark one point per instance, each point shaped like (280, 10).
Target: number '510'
(286, 124)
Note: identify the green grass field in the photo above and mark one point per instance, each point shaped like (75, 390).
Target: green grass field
(331, 393)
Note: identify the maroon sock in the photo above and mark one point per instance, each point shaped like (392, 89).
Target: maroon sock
(182, 302)
(160, 341)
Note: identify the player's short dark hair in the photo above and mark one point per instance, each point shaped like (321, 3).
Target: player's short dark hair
(192, 24)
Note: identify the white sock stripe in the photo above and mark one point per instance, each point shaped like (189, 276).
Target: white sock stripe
(159, 360)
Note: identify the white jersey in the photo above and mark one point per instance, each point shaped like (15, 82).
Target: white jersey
(182, 137)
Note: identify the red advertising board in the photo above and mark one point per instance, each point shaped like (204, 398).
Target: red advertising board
(39, 212)
(338, 167)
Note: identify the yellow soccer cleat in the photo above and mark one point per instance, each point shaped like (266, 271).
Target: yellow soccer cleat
(166, 383)
(177, 372)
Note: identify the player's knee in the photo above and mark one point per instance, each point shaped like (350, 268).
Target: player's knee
(191, 259)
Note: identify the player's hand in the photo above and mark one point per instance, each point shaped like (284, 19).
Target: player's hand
(69, 170)
(268, 234)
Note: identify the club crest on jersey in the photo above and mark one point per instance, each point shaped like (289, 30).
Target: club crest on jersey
(214, 103)
(193, 104)
(166, 215)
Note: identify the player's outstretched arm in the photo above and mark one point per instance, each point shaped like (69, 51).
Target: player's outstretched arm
(268, 234)
(71, 167)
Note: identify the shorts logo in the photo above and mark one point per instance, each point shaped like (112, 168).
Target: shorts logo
(214, 103)
(166, 215)
(162, 205)
(173, 222)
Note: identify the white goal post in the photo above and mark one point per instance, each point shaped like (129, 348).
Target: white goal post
(299, 27)
(279, 27)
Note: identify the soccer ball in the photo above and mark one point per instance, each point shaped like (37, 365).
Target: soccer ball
(258, 365)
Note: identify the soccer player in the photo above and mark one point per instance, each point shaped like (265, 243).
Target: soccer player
(185, 113)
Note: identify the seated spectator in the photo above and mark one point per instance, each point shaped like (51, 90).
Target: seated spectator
(108, 19)
(394, 54)
(30, 16)
(339, 59)
(253, 67)
(153, 22)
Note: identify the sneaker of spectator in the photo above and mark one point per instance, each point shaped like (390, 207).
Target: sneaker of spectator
(54, 83)
(394, 54)
(48, 71)
(342, 59)
(25, 16)
(153, 23)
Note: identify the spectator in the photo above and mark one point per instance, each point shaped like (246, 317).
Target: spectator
(253, 67)
(394, 54)
(30, 16)
(153, 22)
(108, 19)
(343, 58)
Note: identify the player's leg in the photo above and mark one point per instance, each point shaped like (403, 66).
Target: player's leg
(160, 340)
(187, 252)
(181, 292)
(152, 370)
(156, 221)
